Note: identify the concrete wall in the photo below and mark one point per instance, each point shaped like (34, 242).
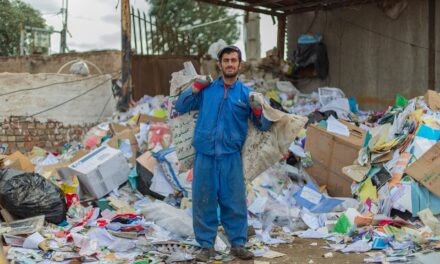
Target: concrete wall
(108, 61)
(369, 54)
(65, 98)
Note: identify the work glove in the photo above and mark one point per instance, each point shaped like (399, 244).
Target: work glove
(256, 107)
(201, 84)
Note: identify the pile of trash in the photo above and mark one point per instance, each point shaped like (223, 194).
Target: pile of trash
(364, 182)
(393, 175)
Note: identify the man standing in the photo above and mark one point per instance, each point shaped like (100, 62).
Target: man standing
(224, 109)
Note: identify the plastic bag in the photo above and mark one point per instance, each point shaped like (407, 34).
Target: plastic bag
(215, 48)
(79, 68)
(29, 194)
(170, 165)
(172, 219)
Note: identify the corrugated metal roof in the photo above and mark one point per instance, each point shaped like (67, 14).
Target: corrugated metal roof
(286, 7)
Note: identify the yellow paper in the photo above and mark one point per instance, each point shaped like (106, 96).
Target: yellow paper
(379, 134)
(274, 95)
(385, 146)
(368, 190)
(161, 113)
(431, 122)
(36, 151)
(70, 187)
(416, 115)
(132, 121)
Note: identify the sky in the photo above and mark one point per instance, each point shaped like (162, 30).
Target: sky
(95, 24)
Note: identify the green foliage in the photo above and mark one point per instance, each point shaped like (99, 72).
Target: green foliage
(173, 15)
(13, 14)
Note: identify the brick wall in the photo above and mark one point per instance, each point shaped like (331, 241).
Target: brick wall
(23, 133)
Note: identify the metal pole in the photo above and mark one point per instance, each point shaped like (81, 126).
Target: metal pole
(140, 31)
(146, 31)
(431, 37)
(22, 32)
(152, 36)
(126, 56)
(281, 36)
(134, 29)
(63, 41)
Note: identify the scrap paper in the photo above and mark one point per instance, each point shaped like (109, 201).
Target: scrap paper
(426, 137)
(310, 198)
(422, 198)
(310, 233)
(380, 243)
(334, 126)
(343, 225)
(368, 190)
(258, 205)
(273, 254)
(356, 172)
(399, 168)
(358, 246)
(380, 178)
(33, 241)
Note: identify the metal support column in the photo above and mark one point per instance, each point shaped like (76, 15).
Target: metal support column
(431, 37)
(281, 37)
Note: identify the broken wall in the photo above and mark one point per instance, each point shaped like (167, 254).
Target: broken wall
(48, 110)
(108, 61)
(371, 55)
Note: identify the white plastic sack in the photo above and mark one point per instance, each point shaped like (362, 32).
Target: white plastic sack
(182, 125)
(263, 149)
(215, 47)
(170, 218)
(79, 68)
(328, 94)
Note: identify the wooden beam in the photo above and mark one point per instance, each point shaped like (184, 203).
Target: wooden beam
(255, 9)
(431, 37)
(307, 7)
(265, 2)
(126, 56)
(281, 37)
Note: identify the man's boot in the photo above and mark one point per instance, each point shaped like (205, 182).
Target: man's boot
(241, 253)
(205, 254)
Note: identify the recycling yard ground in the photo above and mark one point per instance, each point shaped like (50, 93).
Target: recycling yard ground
(300, 252)
(96, 160)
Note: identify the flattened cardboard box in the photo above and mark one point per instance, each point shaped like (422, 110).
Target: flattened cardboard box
(147, 118)
(330, 153)
(426, 170)
(19, 161)
(432, 98)
(121, 133)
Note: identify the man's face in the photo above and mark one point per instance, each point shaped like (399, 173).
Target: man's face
(230, 64)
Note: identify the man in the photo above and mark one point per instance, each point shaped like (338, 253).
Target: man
(224, 109)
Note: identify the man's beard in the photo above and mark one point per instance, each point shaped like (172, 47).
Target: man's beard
(230, 75)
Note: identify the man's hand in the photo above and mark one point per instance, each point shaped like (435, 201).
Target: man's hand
(200, 84)
(255, 107)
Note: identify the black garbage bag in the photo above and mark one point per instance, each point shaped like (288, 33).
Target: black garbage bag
(26, 194)
(144, 181)
(311, 51)
(316, 117)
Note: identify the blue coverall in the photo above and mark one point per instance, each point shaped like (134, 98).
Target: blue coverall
(219, 136)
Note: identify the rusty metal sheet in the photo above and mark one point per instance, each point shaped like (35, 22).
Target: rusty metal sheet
(151, 75)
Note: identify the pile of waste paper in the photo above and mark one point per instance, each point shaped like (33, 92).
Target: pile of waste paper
(364, 182)
(392, 170)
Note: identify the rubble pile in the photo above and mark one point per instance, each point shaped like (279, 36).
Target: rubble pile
(363, 182)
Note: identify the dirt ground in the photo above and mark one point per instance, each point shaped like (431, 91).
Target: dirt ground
(301, 252)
